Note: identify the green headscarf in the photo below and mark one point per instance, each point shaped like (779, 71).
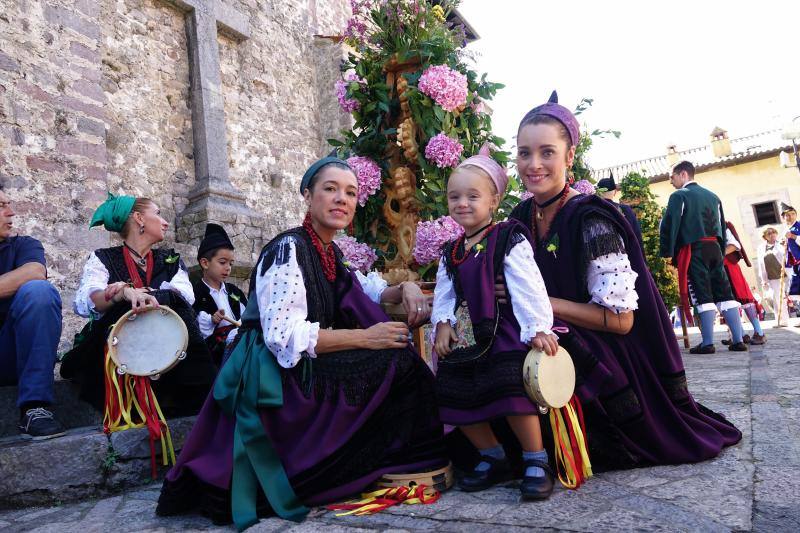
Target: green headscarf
(113, 213)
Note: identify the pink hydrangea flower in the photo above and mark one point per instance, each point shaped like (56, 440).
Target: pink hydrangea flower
(584, 187)
(443, 151)
(347, 104)
(525, 196)
(432, 235)
(446, 86)
(359, 255)
(369, 177)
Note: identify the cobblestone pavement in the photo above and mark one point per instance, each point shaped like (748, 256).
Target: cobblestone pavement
(752, 486)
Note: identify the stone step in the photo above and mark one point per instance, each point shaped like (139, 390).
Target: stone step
(83, 464)
(68, 409)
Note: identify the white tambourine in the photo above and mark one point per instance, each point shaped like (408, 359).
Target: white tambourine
(549, 380)
(148, 343)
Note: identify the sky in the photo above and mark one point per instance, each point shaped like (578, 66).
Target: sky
(659, 72)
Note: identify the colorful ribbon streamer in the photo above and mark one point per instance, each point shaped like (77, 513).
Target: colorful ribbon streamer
(377, 501)
(572, 454)
(131, 403)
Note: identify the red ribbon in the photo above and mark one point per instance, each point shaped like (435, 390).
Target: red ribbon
(133, 270)
(684, 258)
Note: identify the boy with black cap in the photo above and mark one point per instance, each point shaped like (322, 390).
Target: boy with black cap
(217, 302)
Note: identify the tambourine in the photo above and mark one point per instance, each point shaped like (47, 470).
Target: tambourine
(148, 343)
(440, 479)
(549, 380)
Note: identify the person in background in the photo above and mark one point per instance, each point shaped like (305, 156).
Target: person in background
(734, 252)
(789, 215)
(610, 194)
(30, 326)
(693, 237)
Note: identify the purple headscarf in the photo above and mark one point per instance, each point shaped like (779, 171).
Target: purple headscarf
(553, 109)
(495, 171)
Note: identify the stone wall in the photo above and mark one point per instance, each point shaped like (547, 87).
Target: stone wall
(94, 97)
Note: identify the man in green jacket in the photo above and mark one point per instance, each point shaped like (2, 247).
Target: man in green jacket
(693, 236)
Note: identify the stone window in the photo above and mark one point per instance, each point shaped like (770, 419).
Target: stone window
(766, 213)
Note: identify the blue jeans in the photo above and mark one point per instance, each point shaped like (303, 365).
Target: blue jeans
(28, 342)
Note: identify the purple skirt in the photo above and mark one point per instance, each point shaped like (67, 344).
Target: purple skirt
(363, 414)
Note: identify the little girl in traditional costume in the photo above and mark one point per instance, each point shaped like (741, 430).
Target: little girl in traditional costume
(483, 382)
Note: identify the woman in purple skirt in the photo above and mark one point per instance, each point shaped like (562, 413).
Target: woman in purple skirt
(320, 394)
(631, 379)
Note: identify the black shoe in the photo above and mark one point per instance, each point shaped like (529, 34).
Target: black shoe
(539, 487)
(499, 471)
(746, 339)
(738, 347)
(758, 340)
(701, 349)
(38, 424)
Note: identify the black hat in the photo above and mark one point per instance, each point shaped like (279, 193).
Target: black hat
(607, 183)
(786, 207)
(214, 239)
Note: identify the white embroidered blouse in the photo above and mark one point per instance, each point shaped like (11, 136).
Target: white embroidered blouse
(281, 295)
(95, 278)
(525, 286)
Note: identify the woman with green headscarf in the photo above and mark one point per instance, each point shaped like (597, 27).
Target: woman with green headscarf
(136, 276)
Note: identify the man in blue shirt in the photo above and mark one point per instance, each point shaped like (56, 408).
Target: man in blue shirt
(30, 326)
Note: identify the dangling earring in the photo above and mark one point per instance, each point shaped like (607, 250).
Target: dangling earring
(141, 230)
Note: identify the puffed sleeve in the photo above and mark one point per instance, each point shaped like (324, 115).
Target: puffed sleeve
(373, 285)
(94, 278)
(444, 298)
(180, 282)
(610, 278)
(281, 295)
(528, 293)
(207, 326)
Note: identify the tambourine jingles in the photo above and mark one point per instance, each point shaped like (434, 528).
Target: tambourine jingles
(440, 479)
(549, 380)
(148, 343)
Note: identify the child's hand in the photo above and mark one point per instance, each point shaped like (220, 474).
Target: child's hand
(548, 343)
(217, 317)
(445, 336)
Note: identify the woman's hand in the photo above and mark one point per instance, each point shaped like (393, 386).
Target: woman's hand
(416, 304)
(140, 299)
(500, 291)
(384, 335)
(548, 343)
(113, 292)
(445, 338)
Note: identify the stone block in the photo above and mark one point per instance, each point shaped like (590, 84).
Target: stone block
(43, 164)
(92, 127)
(84, 52)
(70, 102)
(8, 63)
(72, 146)
(89, 89)
(69, 19)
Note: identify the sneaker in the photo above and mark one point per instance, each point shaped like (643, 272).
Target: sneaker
(738, 347)
(39, 424)
(758, 340)
(703, 349)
